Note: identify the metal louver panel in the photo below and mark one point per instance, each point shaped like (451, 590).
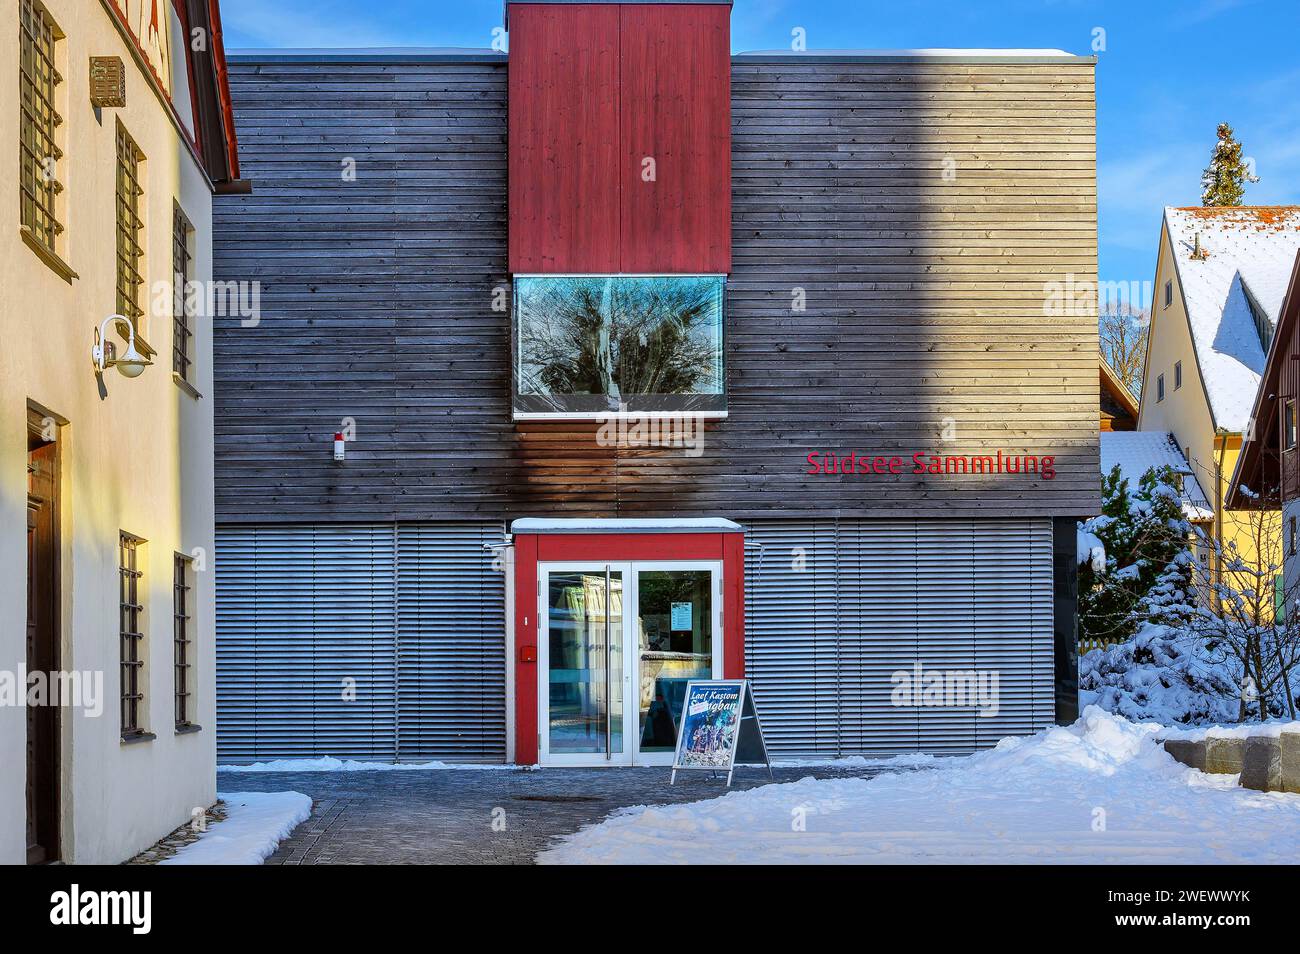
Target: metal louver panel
(451, 642)
(825, 637)
(300, 610)
(410, 616)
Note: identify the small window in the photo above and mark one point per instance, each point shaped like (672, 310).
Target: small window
(589, 345)
(39, 134)
(183, 640)
(130, 276)
(182, 275)
(1178, 375)
(1288, 424)
(131, 635)
(1169, 293)
(1160, 388)
(38, 150)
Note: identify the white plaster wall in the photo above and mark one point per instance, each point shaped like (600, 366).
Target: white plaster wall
(138, 460)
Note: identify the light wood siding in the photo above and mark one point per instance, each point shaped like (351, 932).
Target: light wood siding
(925, 299)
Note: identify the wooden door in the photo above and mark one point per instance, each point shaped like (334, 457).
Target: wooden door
(42, 645)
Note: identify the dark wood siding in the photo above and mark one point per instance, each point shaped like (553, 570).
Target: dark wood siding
(923, 210)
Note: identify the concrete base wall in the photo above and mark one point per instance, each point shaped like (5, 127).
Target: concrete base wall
(1265, 763)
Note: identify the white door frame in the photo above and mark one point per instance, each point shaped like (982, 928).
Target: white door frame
(544, 570)
(631, 643)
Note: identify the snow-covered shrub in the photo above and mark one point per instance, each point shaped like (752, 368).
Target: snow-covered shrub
(1162, 675)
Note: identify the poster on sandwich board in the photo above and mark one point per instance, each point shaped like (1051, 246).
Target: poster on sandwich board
(719, 729)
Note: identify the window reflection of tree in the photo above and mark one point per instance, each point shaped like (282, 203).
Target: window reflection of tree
(620, 337)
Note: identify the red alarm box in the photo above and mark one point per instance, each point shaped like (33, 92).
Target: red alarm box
(528, 654)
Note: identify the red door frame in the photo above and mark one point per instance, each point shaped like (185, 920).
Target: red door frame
(534, 548)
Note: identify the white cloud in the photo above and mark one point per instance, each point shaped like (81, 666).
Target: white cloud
(1134, 189)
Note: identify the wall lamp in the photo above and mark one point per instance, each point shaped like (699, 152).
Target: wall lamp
(104, 354)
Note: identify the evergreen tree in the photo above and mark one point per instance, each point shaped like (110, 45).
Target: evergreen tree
(1145, 534)
(1224, 180)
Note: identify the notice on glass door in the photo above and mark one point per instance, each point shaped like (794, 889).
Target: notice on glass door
(681, 616)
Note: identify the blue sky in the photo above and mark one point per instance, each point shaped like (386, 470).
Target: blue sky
(1170, 71)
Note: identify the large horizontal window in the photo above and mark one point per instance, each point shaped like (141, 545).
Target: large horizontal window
(595, 344)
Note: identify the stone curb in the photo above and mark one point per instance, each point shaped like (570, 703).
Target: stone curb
(1265, 763)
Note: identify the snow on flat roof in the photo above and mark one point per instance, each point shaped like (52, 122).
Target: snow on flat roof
(1136, 452)
(363, 54)
(623, 525)
(933, 54)
(919, 51)
(1247, 256)
(417, 54)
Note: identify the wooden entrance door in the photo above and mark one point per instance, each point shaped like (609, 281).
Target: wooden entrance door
(42, 643)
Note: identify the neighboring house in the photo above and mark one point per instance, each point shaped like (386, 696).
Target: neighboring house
(1119, 408)
(1268, 471)
(1136, 452)
(119, 130)
(1220, 277)
(602, 314)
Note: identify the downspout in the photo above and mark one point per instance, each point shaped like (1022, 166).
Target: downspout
(1221, 439)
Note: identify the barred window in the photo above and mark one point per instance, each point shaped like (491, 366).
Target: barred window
(131, 636)
(129, 224)
(39, 153)
(183, 653)
(182, 275)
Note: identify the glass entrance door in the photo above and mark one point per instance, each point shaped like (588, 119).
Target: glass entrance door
(678, 638)
(583, 666)
(619, 642)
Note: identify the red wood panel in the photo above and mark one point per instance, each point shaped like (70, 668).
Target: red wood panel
(675, 73)
(525, 645)
(733, 606)
(556, 547)
(563, 138)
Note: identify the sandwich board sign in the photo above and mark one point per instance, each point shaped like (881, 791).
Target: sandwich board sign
(719, 729)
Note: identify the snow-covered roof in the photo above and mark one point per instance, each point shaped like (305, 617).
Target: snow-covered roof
(1136, 452)
(624, 525)
(919, 55)
(1246, 257)
(366, 54)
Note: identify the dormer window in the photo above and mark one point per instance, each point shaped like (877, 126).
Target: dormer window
(590, 345)
(1263, 327)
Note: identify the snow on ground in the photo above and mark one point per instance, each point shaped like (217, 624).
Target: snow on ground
(255, 823)
(1098, 792)
(913, 760)
(329, 764)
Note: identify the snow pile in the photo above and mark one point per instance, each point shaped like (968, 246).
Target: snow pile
(330, 764)
(1099, 792)
(255, 823)
(1161, 675)
(1245, 730)
(911, 760)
